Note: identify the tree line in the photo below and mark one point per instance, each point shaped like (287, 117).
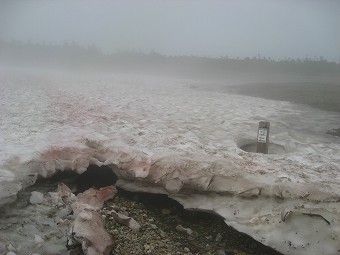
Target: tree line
(73, 55)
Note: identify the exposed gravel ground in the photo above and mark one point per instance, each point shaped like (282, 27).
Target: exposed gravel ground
(160, 217)
(325, 96)
(335, 132)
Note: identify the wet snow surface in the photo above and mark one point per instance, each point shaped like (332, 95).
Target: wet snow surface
(167, 137)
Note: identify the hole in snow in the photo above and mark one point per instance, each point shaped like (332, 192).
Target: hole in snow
(272, 149)
(93, 177)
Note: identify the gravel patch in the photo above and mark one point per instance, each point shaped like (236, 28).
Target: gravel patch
(169, 229)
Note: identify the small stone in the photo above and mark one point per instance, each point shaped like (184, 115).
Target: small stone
(36, 197)
(180, 228)
(63, 213)
(125, 213)
(229, 252)
(153, 226)
(10, 247)
(161, 233)
(38, 239)
(219, 237)
(166, 211)
(220, 252)
(186, 249)
(193, 236)
(115, 232)
(11, 253)
(114, 207)
(134, 205)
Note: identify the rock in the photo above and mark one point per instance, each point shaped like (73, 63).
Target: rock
(219, 237)
(11, 253)
(161, 233)
(134, 206)
(189, 231)
(125, 213)
(10, 247)
(186, 249)
(220, 252)
(38, 239)
(36, 197)
(115, 207)
(153, 226)
(166, 211)
(128, 221)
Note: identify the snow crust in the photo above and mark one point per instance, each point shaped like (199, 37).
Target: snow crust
(164, 136)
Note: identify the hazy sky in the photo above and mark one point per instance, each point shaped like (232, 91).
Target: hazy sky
(272, 28)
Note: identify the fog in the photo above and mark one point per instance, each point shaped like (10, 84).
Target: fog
(169, 98)
(275, 29)
(239, 41)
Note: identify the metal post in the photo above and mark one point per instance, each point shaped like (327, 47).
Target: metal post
(263, 137)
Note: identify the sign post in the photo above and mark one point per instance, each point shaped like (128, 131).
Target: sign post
(263, 137)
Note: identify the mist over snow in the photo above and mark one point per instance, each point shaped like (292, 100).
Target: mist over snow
(167, 97)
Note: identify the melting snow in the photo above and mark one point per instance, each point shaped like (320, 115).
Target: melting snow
(169, 138)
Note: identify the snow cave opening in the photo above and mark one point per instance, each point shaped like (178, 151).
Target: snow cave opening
(159, 206)
(94, 177)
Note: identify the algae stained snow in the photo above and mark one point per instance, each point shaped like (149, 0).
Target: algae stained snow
(181, 141)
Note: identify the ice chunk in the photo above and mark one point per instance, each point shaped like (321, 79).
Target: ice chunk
(36, 197)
